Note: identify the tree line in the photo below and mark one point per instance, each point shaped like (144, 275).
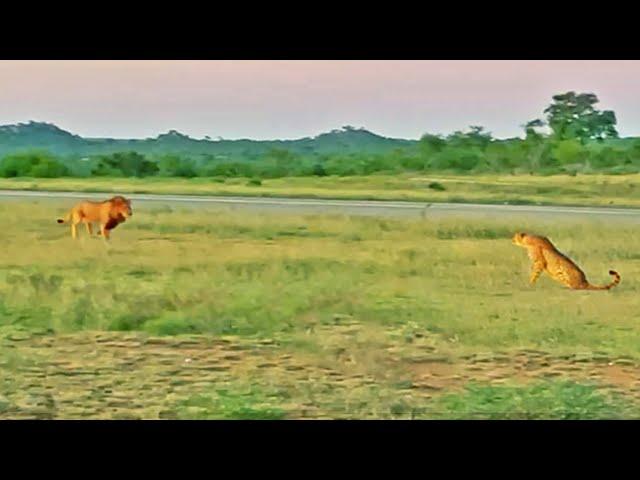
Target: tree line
(572, 136)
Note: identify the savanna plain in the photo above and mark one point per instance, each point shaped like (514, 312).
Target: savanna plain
(210, 313)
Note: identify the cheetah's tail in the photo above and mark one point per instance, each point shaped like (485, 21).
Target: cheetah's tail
(616, 281)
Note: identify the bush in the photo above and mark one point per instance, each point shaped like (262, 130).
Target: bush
(541, 400)
(319, 171)
(34, 164)
(569, 152)
(229, 169)
(437, 186)
(457, 159)
(127, 164)
(173, 166)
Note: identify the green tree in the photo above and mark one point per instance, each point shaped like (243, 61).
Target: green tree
(535, 145)
(569, 152)
(278, 162)
(431, 143)
(174, 166)
(573, 115)
(127, 164)
(32, 164)
(318, 170)
(476, 136)
(530, 129)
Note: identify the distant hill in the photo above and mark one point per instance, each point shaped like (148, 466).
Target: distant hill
(46, 136)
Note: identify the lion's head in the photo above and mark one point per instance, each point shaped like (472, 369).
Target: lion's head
(121, 207)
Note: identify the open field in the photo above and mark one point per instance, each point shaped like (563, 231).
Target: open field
(203, 313)
(585, 190)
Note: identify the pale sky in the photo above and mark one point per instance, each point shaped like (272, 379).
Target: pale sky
(292, 99)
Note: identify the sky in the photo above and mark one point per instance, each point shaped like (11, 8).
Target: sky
(292, 99)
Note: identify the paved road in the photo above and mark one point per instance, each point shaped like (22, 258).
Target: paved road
(349, 207)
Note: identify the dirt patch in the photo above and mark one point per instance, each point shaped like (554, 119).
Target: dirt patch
(526, 366)
(111, 375)
(359, 373)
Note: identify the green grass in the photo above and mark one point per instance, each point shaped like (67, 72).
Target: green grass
(592, 189)
(559, 400)
(381, 300)
(195, 271)
(540, 400)
(236, 403)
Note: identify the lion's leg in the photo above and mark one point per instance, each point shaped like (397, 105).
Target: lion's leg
(104, 232)
(76, 218)
(89, 228)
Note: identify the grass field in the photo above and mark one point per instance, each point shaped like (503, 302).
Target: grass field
(200, 313)
(586, 190)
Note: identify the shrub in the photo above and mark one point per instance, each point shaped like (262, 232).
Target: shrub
(32, 164)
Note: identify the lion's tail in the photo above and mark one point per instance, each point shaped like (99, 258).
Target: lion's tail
(614, 282)
(66, 218)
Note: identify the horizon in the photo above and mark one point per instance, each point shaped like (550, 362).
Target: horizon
(218, 139)
(215, 139)
(290, 100)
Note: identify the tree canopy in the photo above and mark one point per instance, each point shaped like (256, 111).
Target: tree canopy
(573, 115)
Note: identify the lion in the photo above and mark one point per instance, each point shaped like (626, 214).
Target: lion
(109, 214)
(546, 258)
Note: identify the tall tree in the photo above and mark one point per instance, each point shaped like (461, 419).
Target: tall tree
(530, 129)
(475, 136)
(573, 115)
